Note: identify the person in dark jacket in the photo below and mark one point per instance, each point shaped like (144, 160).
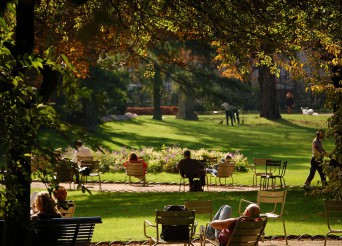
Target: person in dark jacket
(191, 168)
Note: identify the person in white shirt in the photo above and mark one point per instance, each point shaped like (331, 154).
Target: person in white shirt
(81, 151)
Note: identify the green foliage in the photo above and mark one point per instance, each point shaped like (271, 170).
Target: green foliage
(164, 160)
(104, 93)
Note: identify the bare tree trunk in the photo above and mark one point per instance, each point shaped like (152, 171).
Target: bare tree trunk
(269, 107)
(157, 82)
(185, 106)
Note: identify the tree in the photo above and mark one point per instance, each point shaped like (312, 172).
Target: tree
(27, 82)
(248, 34)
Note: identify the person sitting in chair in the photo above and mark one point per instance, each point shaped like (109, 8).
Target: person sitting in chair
(215, 167)
(133, 157)
(191, 168)
(223, 225)
(44, 207)
(80, 151)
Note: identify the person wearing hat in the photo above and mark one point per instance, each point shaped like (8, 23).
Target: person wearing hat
(318, 154)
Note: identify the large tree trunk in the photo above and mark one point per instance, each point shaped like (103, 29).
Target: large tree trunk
(17, 178)
(157, 83)
(185, 106)
(335, 120)
(269, 107)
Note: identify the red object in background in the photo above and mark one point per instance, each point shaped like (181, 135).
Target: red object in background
(60, 194)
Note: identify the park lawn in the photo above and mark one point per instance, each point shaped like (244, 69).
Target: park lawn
(123, 214)
(287, 139)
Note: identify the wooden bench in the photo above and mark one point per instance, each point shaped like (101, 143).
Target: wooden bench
(72, 231)
(76, 231)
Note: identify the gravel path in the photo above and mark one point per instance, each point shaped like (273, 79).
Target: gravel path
(151, 187)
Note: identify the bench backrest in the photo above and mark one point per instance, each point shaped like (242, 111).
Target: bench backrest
(62, 232)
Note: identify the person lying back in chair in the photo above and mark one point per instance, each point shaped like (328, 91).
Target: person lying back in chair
(223, 225)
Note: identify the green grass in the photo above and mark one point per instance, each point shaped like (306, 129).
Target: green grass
(123, 213)
(286, 139)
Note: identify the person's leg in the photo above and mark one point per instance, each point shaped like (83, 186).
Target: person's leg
(313, 169)
(75, 171)
(225, 212)
(191, 182)
(322, 174)
(227, 116)
(202, 178)
(237, 116)
(231, 117)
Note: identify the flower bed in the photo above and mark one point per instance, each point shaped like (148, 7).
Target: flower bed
(163, 160)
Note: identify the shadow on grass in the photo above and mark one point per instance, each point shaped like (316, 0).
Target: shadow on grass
(298, 207)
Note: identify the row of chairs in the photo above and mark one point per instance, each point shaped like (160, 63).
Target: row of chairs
(247, 231)
(274, 170)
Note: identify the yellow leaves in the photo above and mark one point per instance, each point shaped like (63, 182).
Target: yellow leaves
(336, 61)
(215, 43)
(230, 71)
(319, 88)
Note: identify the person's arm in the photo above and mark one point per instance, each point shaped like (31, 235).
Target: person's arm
(144, 167)
(222, 224)
(74, 158)
(319, 151)
(178, 165)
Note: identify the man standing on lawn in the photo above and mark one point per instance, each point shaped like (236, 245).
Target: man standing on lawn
(229, 112)
(318, 154)
(191, 168)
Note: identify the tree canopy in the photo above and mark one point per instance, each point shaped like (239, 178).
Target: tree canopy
(47, 45)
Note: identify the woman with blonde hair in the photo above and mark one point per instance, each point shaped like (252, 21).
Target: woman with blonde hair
(44, 207)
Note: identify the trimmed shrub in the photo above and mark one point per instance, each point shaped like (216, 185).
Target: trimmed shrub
(166, 110)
